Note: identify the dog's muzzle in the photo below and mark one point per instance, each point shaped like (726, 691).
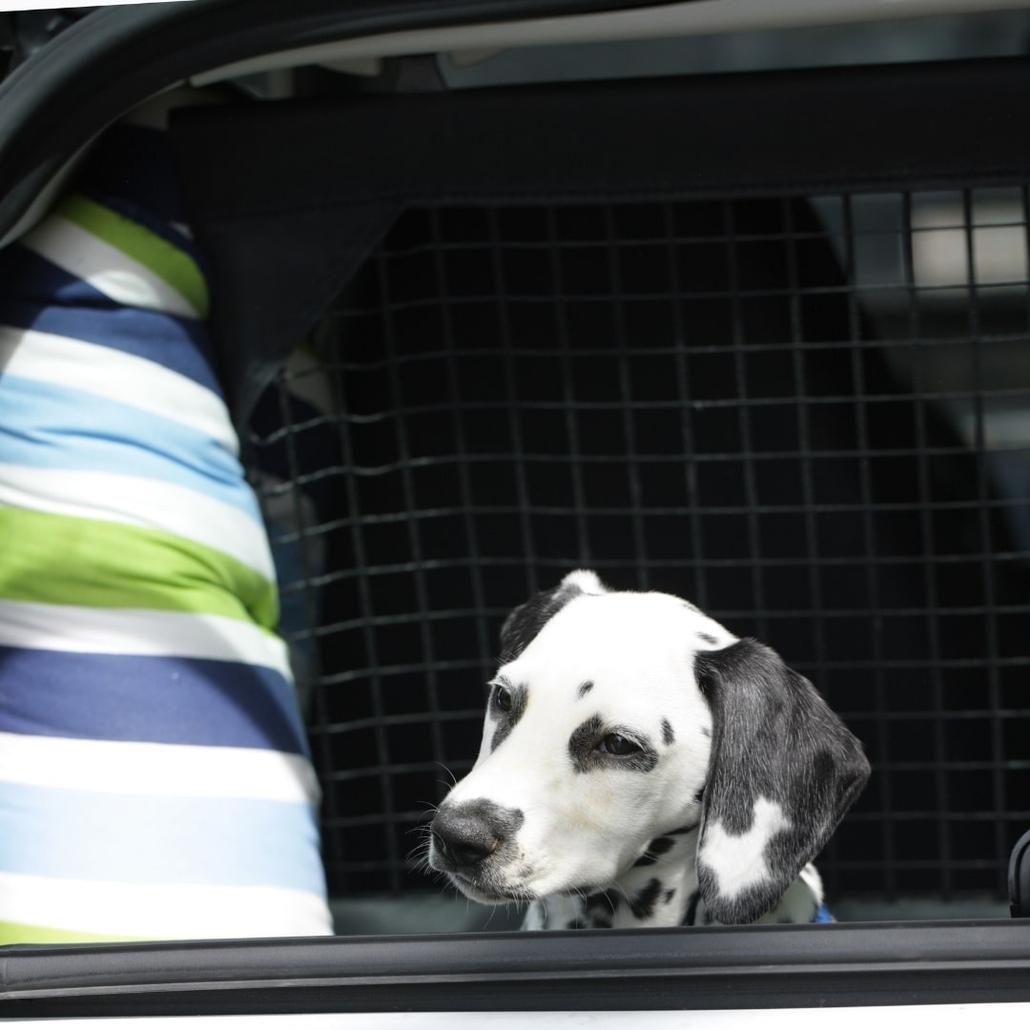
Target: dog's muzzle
(466, 834)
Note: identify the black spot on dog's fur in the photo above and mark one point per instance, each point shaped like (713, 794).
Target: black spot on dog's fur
(577, 892)
(669, 895)
(705, 731)
(668, 737)
(691, 913)
(602, 924)
(699, 795)
(684, 829)
(660, 845)
(506, 720)
(656, 848)
(525, 622)
(708, 638)
(581, 743)
(576, 924)
(585, 688)
(585, 756)
(642, 906)
(601, 905)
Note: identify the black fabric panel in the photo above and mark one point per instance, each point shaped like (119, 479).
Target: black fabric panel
(288, 198)
(771, 132)
(273, 277)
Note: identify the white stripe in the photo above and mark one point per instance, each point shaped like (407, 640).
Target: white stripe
(165, 911)
(147, 503)
(121, 377)
(165, 770)
(134, 632)
(107, 269)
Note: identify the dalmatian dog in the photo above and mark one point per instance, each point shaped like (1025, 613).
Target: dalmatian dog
(642, 766)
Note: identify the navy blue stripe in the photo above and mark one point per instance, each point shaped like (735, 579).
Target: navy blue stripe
(177, 344)
(161, 699)
(32, 279)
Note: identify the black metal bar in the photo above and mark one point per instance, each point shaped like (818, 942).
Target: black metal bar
(754, 967)
(575, 457)
(469, 525)
(569, 241)
(882, 783)
(984, 491)
(680, 349)
(805, 443)
(374, 675)
(926, 526)
(742, 401)
(696, 347)
(514, 405)
(624, 351)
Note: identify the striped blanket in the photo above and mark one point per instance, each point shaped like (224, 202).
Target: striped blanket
(154, 777)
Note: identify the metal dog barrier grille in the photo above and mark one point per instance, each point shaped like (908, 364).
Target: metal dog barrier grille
(807, 415)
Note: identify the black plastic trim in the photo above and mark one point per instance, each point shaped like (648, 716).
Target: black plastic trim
(714, 968)
(116, 57)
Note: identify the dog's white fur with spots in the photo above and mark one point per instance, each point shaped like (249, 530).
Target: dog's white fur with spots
(641, 766)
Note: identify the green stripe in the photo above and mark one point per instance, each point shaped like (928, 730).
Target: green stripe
(166, 261)
(23, 933)
(60, 559)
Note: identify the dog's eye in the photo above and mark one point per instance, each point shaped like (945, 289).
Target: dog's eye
(616, 744)
(502, 698)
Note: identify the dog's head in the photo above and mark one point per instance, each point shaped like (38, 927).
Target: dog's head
(615, 718)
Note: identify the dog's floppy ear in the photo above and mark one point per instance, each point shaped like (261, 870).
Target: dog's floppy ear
(524, 622)
(783, 771)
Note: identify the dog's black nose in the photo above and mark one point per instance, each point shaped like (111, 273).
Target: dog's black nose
(463, 839)
(466, 833)
(463, 847)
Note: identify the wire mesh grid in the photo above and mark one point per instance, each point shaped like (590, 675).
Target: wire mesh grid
(808, 415)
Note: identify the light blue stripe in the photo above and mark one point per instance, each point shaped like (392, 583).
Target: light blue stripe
(47, 426)
(88, 835)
